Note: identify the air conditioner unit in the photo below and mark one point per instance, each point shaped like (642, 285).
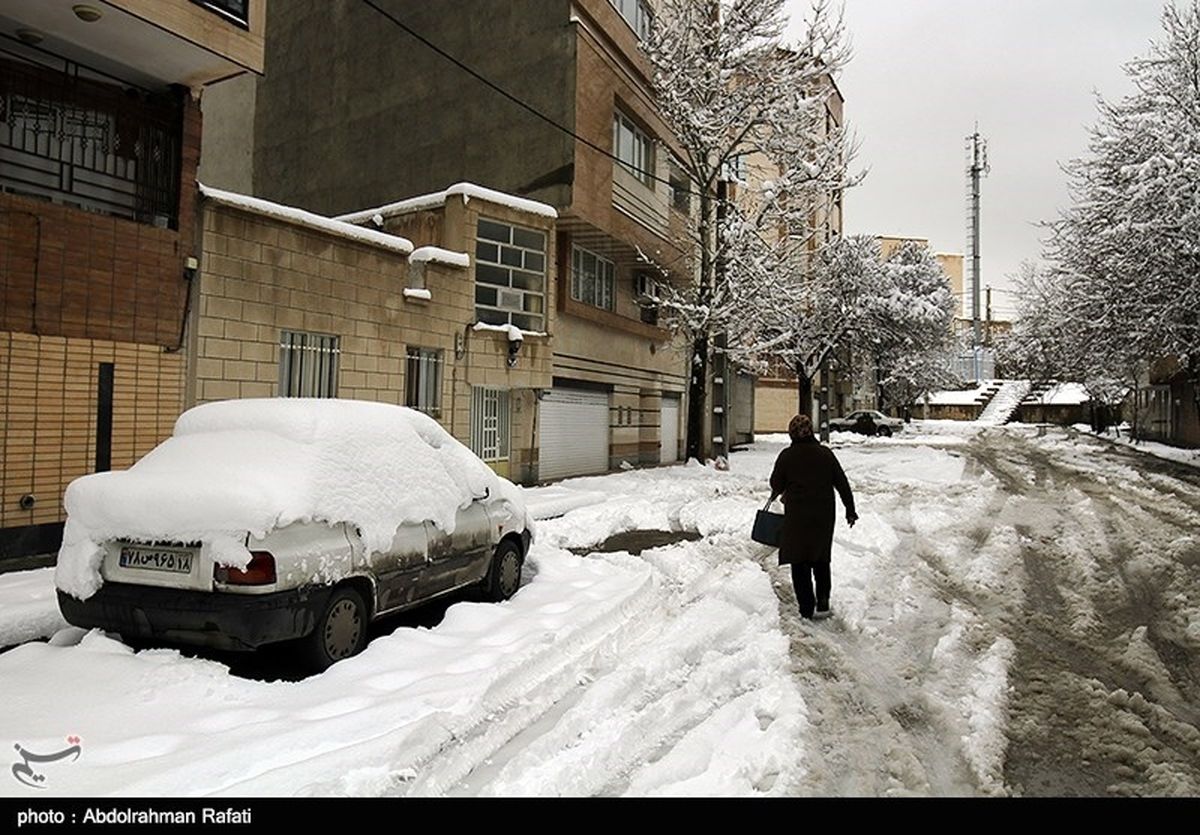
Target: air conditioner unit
(510, 300)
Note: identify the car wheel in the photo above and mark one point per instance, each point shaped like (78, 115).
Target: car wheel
(885, 431)
(504, 574)
(341, 630)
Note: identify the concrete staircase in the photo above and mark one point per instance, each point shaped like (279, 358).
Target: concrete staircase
(1004, 402)
(1038, 390)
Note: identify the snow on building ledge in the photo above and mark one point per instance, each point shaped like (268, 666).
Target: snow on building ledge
(465, 190)
(419, 293)
(437, 255)
(514, 333)
(300, 217)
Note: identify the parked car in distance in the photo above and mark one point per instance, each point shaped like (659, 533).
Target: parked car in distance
(264, 521)
(878, 424)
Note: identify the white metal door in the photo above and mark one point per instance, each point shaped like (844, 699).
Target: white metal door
(669, 429)
(573, 433)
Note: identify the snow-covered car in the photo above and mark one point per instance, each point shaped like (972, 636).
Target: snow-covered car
(883, 425)
(262, 521)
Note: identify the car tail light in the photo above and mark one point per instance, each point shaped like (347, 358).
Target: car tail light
(259, 572)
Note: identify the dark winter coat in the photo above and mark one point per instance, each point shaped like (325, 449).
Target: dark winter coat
(806, 474)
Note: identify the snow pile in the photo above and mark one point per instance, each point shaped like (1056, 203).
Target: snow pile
(437, 255)
(252, 465)
(965, 397)
(28, 606)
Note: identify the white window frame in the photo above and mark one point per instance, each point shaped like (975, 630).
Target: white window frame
(508, 253)
(423, 380)
(633, 148)
(637, 14)
(593, 279)
(491, 422)
(308, 364)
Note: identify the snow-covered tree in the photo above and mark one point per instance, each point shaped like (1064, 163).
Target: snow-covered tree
(1126, 254)
(846, 298)
(728, 85)
(912, 338)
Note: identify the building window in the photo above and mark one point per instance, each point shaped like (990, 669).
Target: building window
(308, 365)
(637, 14)
(510, 275)
(236, 10)
(489, 423)
(633, 148)
(423, 381)
(736, 170)
(81, 143)
(681, 189)
(593, 279)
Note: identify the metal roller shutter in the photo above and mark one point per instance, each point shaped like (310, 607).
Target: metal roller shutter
(669, 430)
(573, 433)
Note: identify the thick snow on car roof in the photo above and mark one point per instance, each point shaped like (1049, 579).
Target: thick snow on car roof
(253, 465)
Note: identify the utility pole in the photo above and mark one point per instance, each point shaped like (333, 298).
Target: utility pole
(987, 330)
(977, 167)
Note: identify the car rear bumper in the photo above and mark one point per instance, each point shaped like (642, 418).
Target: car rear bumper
(212, 619)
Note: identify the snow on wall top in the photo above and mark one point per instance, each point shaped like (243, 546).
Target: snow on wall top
(437, 255)
(1063, 394)
(254, 465)
(309, 219)
(465, 190)
(966, 397)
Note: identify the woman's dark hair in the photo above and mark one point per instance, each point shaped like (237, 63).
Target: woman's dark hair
(799, 428)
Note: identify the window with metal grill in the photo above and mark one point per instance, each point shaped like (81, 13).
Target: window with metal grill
(423, 381)
(308, 364)
(510, 275)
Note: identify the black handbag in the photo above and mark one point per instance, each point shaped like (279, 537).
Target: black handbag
(767, 526)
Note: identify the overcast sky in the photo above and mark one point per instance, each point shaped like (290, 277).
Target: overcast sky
(924, 71)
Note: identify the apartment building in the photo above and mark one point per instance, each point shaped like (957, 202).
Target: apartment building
(780, 393)
(384, 116)
(100, 126)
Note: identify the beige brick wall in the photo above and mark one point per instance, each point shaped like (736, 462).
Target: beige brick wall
(774, 407)
(48, 394)
(262, 275)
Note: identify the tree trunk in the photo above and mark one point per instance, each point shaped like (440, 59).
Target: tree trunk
(701, 344)
(697, 399)
(803, 392)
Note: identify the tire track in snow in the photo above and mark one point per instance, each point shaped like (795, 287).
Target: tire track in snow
(1105, 699)
(614, 720)
(887, 720)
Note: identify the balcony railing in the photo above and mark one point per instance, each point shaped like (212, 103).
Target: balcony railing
(94, 146)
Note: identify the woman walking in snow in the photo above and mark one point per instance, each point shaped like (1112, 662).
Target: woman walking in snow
(806, 474)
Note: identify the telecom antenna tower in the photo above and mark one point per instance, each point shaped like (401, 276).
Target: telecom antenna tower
(977, 168)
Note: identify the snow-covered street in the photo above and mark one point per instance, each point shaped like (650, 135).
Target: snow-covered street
(1016, 612)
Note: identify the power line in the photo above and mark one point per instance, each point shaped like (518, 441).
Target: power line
(506, 94)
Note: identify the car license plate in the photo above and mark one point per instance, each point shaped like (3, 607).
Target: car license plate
(157, 559)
